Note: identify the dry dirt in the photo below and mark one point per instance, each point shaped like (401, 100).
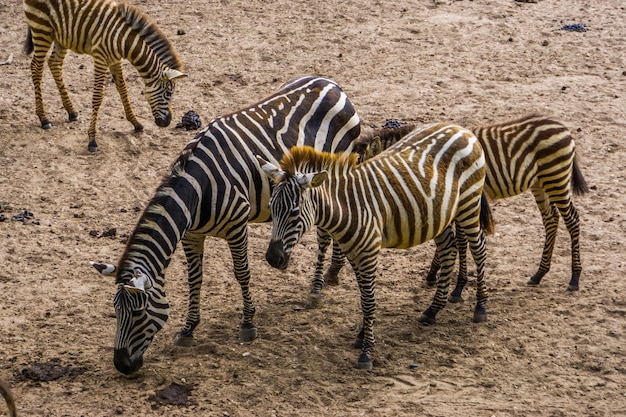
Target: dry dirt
(543, 351)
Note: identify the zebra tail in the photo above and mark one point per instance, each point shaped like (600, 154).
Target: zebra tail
(579, 185)
(8, 397)
(29, 47)
(486, 218)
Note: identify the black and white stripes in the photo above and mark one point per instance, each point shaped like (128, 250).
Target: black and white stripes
(409, 194)
(215, 188)
(109, 31)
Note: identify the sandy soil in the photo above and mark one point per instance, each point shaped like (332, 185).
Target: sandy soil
(543, 352)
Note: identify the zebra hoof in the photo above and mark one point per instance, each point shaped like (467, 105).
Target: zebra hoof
(72, 117)
(455, 299)
(248, 333)
(480, 315)
(331, 278)
(45, 124)
(93, 146)
(315, 300)
(365, 362)
(183, 340)
(572, 287)
(138, 127)
(426, 319)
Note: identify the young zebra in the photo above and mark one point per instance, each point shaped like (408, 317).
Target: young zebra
(215, 188)
(109, 31)
(534, 152)
(408, 195)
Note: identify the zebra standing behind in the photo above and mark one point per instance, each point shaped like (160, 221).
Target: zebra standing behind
(109, 31)
(535, 152)
(214, 189)
(407, 195)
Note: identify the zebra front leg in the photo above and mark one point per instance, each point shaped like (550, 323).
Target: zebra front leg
(56, 68)
(36, 69)
(446, 252)
(315, 296)
(239, 250)
(193, 247)
(120, 85)
(338, 260)
(100, 70)
(365, 274)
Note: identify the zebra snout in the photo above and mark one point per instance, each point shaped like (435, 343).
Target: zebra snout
(124, 363)
(276, 255)
(163, 121)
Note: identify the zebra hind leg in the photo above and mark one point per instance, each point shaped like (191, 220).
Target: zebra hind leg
(446, 253)
(550, 219)
(56, 68)
(461, 280)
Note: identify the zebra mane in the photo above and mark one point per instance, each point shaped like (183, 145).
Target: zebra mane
(306, 159)
(387, 136)
(151, 34)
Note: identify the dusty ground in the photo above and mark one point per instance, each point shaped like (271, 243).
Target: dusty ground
(543, 352)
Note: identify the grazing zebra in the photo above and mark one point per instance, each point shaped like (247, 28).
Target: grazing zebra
(534, 152)
(8, 397)
(109, 31)
(215, 188)
(408, 195)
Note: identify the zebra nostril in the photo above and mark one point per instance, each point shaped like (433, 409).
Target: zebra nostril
(163, 121)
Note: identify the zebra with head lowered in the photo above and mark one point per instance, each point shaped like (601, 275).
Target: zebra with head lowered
(535, 152)
(215, 188)
(109, 31)
(407, 195)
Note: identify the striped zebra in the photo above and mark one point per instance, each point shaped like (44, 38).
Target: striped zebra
(535, 152)
(408, 195)
(215, 188)
(109, 31)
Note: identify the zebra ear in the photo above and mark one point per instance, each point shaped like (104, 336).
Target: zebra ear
(172, 74)
(139, 282)
(104, 269)
(376, 146)
(313, 180)
(272, 171)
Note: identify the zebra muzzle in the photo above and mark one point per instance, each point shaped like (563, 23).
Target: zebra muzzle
(163, 121)
(276, 255)
(125, 363)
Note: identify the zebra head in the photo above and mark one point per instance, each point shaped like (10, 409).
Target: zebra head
(141, 311)
(292, 210)
(158, 92)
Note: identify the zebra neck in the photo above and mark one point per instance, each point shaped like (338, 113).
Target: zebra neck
(157, 234)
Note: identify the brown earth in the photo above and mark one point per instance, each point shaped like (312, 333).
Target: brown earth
(543, 351)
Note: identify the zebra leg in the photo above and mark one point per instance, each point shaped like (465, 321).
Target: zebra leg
(238, 244)
(431, 278)
(479, 253)
(315, 296)
(570, 216)
(338, 260)
(120, 84)
(550, 219)
(193, 245)
(56, 68)
(100, 71)
(42, 46)
(365, 270)
(446, 252)
(461, 281)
